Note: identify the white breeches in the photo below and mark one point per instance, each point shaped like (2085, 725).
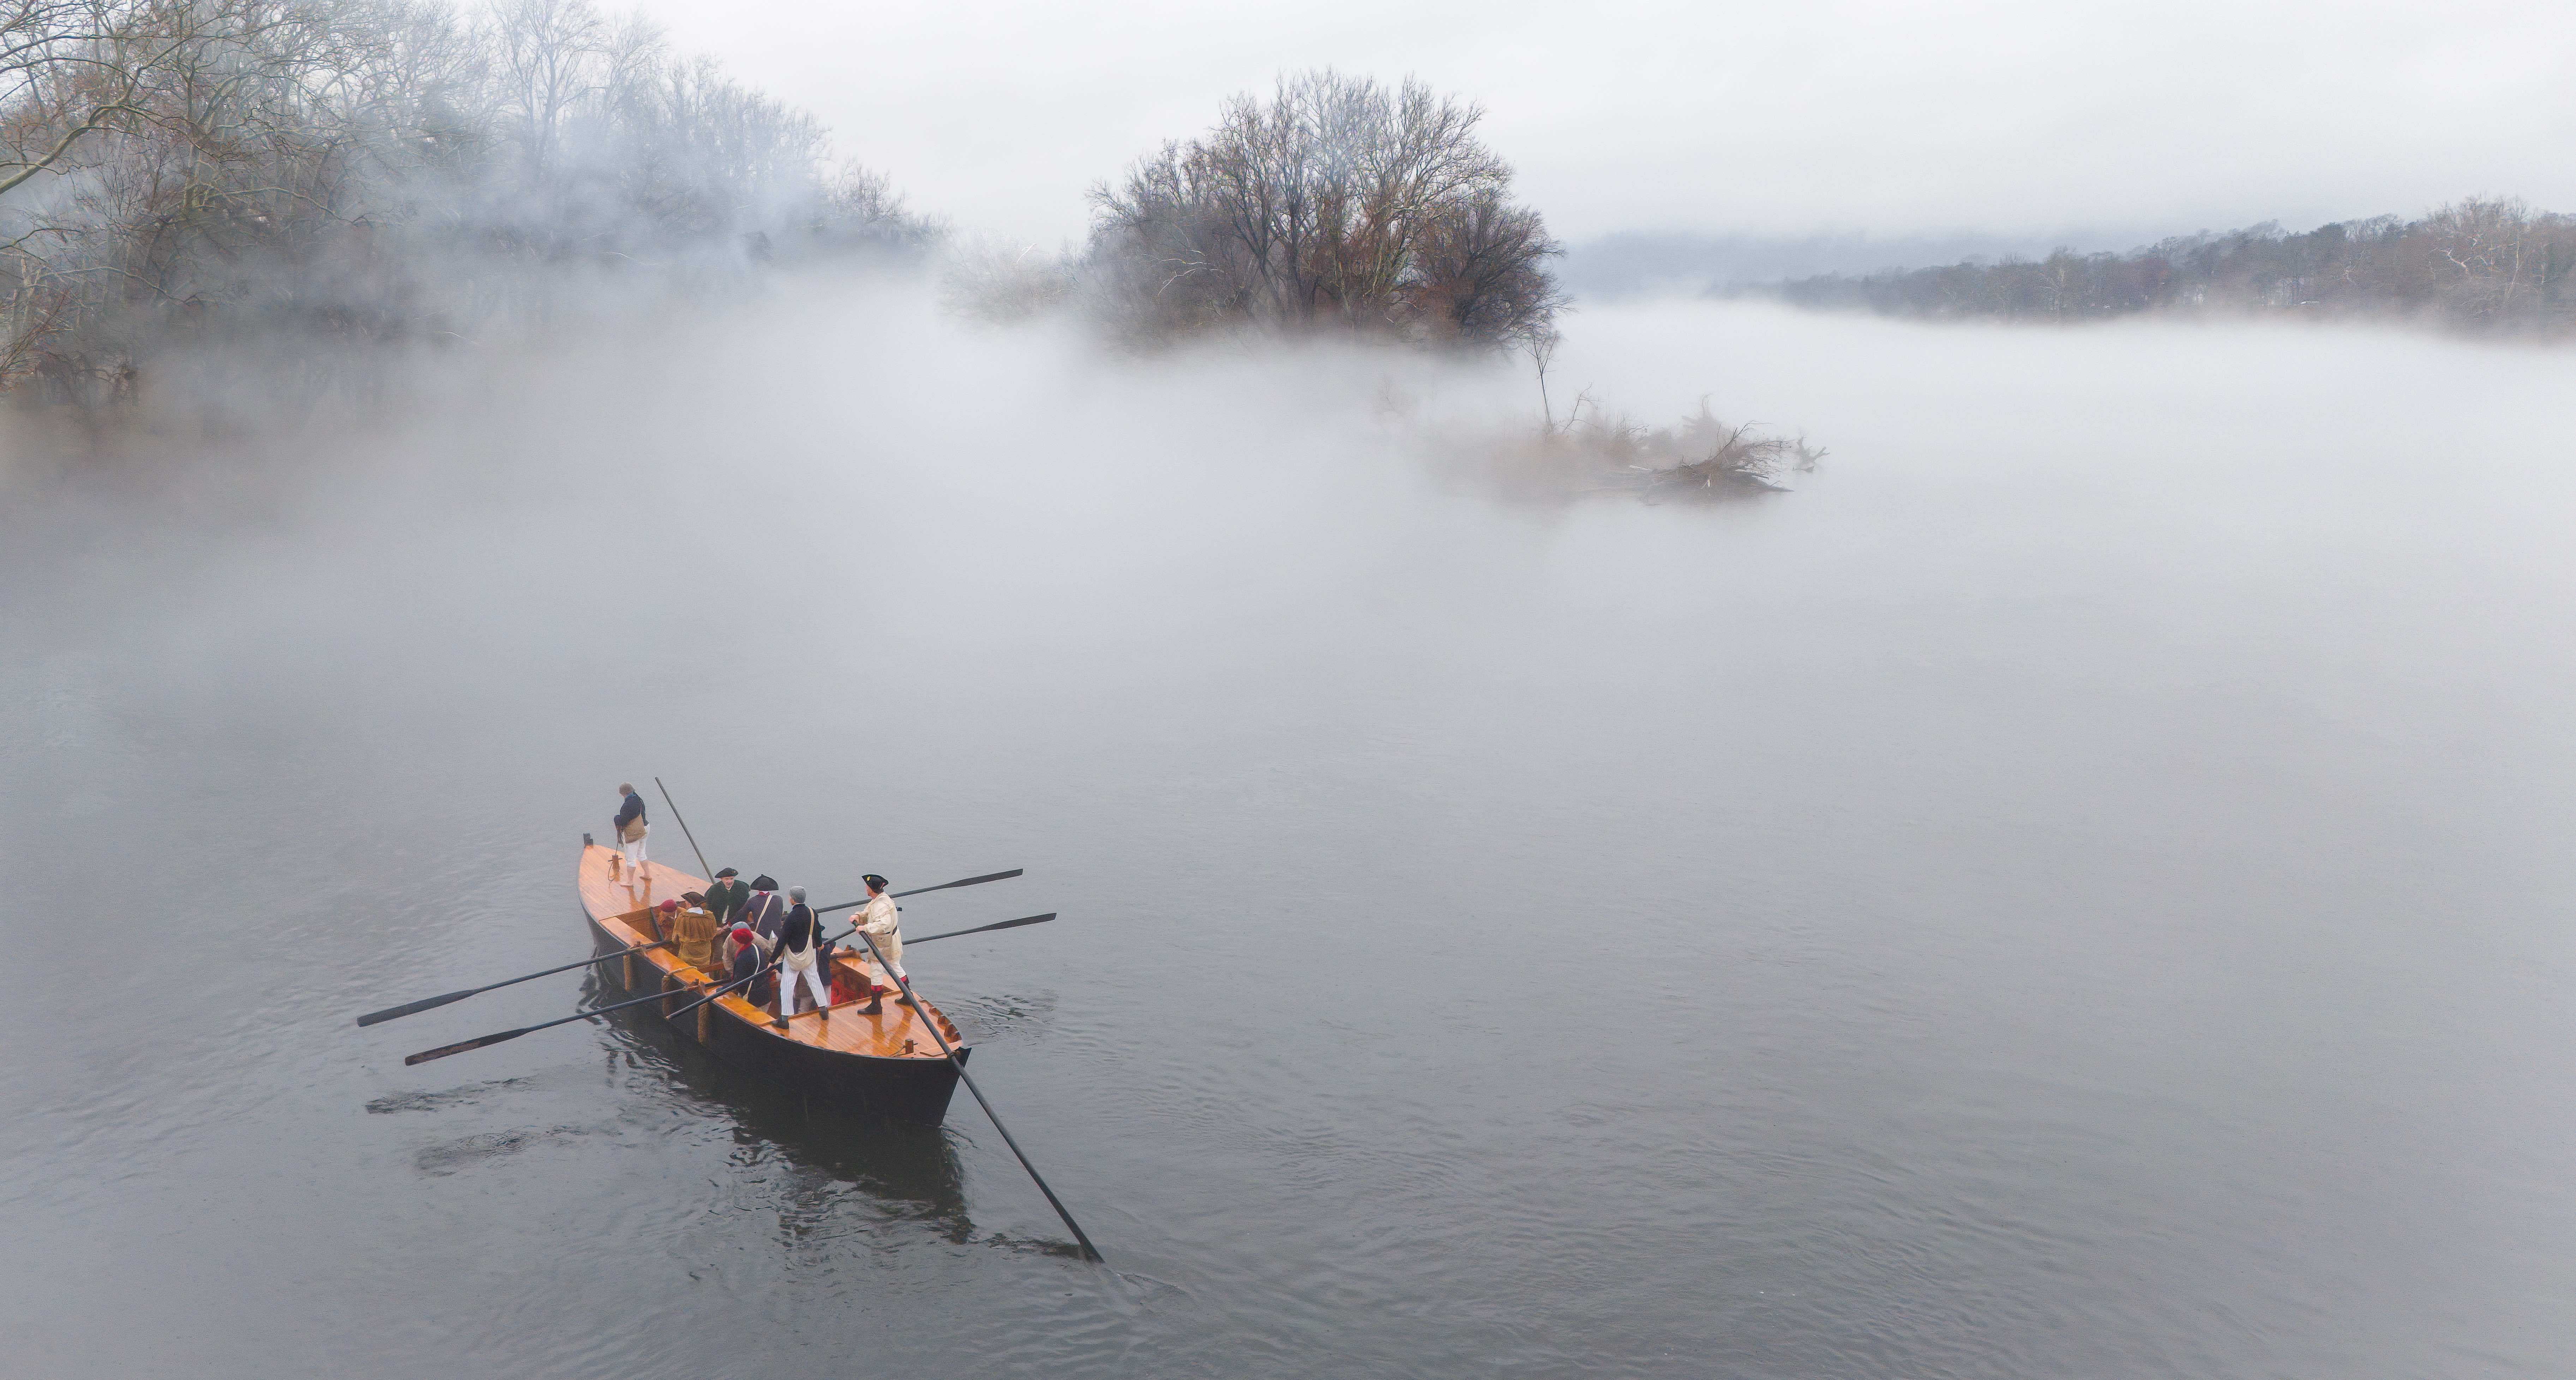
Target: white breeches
(634, 851)
(812, 978)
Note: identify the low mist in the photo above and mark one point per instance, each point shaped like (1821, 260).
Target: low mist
(1555, 871)
(2113, 800)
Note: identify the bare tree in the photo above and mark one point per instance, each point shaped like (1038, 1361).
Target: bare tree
(548, 57)
(1541, 343)
(173, 172)
(1336, 199)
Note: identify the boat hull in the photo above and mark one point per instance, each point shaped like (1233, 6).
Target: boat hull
(911, 1085)
(912, 1090)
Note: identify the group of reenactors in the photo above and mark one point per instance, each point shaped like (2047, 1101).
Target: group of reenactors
(772, 948)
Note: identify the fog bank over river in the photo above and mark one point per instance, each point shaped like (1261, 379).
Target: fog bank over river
(2080, 887)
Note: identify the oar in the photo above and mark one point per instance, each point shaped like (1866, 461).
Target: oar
(737, 982)
(429, 1003)
(943, 886)
(708, 872)
(480, 1041)
(979, 929)
(1089, 1251)
(410, 1008)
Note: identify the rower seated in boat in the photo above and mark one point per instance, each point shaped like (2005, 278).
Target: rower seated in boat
(743, 956)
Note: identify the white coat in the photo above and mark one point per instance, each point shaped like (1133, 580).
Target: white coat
(880, 923)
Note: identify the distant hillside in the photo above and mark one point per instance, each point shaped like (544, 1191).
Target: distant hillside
(2479, 264)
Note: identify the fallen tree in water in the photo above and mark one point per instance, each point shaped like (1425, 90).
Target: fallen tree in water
(1702, 457)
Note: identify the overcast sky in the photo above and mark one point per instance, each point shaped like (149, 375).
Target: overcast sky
(1869, 115)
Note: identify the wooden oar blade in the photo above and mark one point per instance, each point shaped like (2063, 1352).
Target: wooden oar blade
(980, 929)
(459, 1048)
(969, 881)
(415, 1007)
(943, 886)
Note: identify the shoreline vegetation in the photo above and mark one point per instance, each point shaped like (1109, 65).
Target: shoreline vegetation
(317, 186)
(2482, 265)
(230, 218)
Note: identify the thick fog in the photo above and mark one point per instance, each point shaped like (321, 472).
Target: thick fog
(1865, 115)
(2070, 889)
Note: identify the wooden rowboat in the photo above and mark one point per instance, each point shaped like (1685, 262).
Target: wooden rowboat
(885, 1065)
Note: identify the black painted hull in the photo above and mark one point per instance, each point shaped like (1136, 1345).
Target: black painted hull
(910, 1090)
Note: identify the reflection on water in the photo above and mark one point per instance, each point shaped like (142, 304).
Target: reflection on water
(2074, 889)
(911, 1171)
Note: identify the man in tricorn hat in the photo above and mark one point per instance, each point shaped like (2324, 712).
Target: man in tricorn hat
(762, 910)
(725, 899)
(880, 921)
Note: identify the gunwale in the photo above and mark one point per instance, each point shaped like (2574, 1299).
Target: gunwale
(616, 906)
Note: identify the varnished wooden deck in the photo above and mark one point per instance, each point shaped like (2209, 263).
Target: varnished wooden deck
(619, 903)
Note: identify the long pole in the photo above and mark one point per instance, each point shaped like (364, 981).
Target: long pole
(1089, 1251)
(708, 872)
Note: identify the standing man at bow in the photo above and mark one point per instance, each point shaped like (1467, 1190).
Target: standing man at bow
(628, 830)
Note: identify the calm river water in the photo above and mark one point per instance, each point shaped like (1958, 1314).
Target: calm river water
(2081, 888)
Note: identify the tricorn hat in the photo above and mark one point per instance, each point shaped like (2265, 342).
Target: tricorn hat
(764, 882)
(874, 880)
(727, 872)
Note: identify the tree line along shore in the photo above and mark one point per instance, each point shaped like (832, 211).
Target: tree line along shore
(2484, 265)
(314, 175)
(236, 215)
